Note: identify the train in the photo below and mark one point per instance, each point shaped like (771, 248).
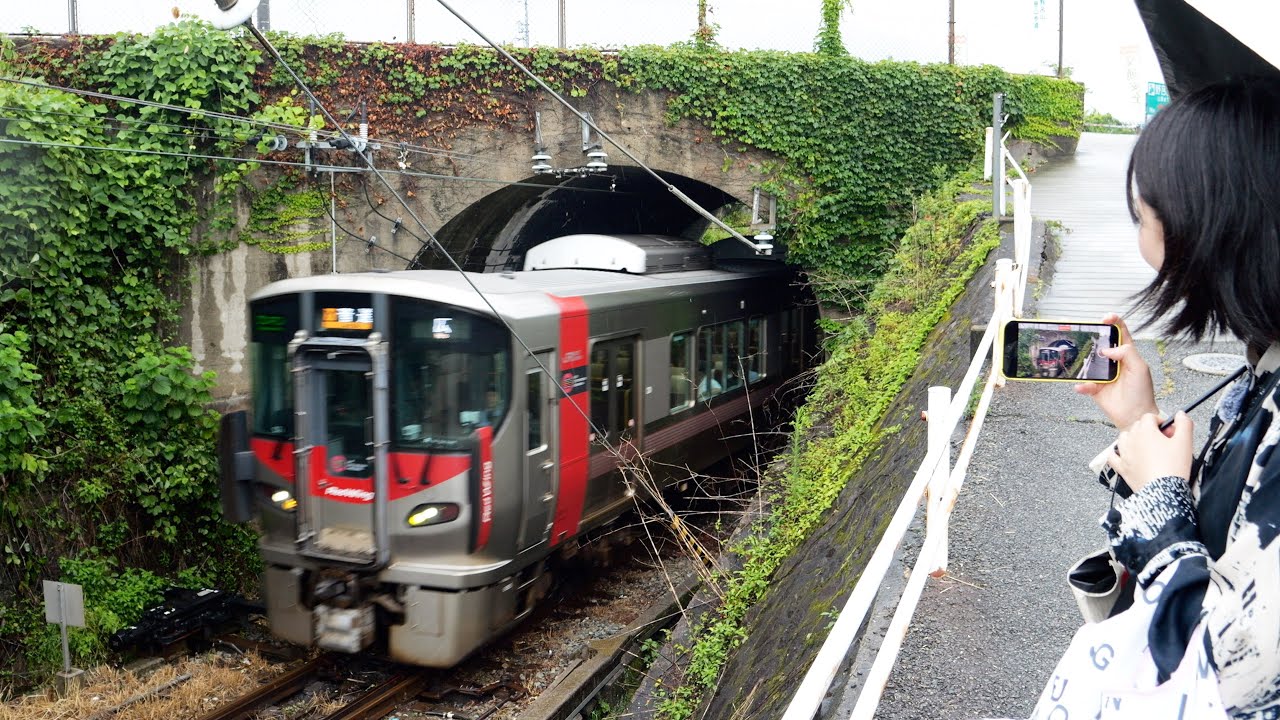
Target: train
(421, 445)
(1055, 359)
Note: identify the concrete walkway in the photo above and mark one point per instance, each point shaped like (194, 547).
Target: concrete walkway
(1100, 269)
(986, 637)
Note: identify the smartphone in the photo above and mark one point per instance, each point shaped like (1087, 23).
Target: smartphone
(1058, 350)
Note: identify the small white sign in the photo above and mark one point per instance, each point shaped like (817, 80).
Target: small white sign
(63, 603)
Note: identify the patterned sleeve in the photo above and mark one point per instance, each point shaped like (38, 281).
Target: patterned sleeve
(1149, 531)
(1153, 527)
(1243, 601)
(1237, 597)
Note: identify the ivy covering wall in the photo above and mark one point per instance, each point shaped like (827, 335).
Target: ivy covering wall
(107, 443)
(107, 469)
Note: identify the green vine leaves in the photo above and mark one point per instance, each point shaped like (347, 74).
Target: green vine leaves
(103, 423)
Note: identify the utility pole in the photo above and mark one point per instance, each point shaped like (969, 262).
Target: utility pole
(951, 34)
(264, 15)
(1061, 17)
(527, 42)
(73, 18)
(997, 155)
(561, 38)
(411, 20)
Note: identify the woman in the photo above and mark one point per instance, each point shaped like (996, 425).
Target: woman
(1204, 184)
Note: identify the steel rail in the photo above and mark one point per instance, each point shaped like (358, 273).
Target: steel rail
(383, 698)
(291, 683)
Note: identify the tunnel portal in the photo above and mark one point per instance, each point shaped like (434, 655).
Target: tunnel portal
(494, 233)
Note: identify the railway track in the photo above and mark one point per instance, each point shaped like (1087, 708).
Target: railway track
(470, 692)
(403, 685)
(287, 685)
(384, 697)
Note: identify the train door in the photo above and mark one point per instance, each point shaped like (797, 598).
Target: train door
(541, 475)
(341, 394)
(614, 412)
(613, 397)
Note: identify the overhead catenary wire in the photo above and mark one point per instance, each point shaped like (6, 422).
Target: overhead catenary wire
(150, 103)
(257, 122)
(303, 132)
(396, 224)
(599, 434)
(203, 130)
(200, 156)
(138, 127)
(368, 242)
(283, 163)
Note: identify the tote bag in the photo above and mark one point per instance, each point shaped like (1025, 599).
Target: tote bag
(1107, 673)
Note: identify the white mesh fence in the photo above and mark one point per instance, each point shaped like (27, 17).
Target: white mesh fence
(1020, 35)
(1105, 44)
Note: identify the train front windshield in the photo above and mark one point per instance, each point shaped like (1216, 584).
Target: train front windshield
(451, 371)
(451, 375)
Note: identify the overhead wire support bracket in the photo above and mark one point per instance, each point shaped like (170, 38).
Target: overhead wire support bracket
(760, 248)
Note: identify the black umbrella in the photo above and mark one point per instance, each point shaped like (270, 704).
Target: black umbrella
(1193, 50)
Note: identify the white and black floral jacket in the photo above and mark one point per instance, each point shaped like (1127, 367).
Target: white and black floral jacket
(1224, 526)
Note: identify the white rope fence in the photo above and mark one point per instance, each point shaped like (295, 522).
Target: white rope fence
(937, 482)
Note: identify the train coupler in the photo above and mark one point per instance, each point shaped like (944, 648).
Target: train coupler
(348, 630)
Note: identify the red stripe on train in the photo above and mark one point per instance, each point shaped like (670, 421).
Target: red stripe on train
(275, 455)
(408, 472)
(572, 494)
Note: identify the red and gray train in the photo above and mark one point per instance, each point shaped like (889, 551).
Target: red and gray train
(1056, 358)
(416, 453)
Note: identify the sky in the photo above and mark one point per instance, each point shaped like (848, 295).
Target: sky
(1105, 46)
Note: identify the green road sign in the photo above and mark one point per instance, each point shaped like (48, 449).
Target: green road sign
(1157, 97)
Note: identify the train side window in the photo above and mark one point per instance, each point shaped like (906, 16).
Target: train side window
(535, 405)
(755, 359)
(710, 362)
(273, 390)
(681, 361)
(795, 339)
(734, 356)
(622, 421)
(600, 387)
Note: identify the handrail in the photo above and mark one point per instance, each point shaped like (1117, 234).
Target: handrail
(944, 490)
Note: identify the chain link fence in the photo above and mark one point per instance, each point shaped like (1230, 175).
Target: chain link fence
(874, 29)
(1110, 55)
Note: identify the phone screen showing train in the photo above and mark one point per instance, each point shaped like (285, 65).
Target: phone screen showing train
(1068, 351)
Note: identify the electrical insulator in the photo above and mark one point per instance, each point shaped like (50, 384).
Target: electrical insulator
(541, 163)
(597, 160)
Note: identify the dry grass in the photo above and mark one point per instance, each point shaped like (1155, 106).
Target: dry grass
(215, 678)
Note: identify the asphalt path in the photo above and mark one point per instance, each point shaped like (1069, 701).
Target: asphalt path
(1100, 268)
(987, 635)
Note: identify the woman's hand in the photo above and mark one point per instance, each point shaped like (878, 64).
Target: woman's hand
(1132, 395)
(1144, 452)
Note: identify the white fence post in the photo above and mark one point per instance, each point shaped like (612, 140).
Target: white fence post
(936, 483)
(1002, 311)
(940, 426)
(1021, 240)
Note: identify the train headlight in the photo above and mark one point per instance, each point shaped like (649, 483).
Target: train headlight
(432, 514)
(284, 500)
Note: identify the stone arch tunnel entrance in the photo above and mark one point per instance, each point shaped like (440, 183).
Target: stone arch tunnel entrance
(494, 233)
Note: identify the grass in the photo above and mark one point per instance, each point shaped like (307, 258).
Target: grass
(872, 355)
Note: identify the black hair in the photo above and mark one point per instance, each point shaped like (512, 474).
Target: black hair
(1208, 166)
